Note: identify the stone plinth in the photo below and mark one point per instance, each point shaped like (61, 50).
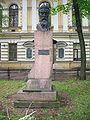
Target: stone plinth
(36, 96)
(38, 87)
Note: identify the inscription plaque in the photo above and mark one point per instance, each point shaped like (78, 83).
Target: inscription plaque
(43, 52)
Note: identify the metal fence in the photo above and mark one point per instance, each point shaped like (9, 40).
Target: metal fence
(22, 74)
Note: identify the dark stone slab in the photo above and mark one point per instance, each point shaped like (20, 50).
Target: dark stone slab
(46, 104)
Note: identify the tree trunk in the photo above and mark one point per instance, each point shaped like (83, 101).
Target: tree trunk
(81, 40)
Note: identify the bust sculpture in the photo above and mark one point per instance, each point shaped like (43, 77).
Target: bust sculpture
(44, 17)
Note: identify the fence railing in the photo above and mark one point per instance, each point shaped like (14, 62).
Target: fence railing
(22, 74)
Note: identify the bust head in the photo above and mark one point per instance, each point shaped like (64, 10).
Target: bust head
(44, 12)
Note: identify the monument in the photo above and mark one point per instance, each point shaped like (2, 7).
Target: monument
(40, 74)
(38, 88)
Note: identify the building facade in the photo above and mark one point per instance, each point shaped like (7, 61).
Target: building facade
(19, 19)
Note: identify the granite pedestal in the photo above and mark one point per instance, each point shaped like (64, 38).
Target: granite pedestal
(38, 87)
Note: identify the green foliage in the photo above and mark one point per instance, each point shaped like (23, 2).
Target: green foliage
(8, 87)
(5, 19)
(28, 117)
(2, 116)
(84, 6)
(49, 117)
(78, 91)
(64, 8)
(13, 117)
(73, 88)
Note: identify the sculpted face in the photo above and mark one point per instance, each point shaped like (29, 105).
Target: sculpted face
(44, 12)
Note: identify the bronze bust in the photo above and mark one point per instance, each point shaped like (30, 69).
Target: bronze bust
(44, 17)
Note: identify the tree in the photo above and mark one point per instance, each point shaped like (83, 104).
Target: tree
(3, 18)
(81, 40)
(82, 9)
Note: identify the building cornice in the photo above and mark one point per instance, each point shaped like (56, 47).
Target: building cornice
(69, 35)
(31, 35)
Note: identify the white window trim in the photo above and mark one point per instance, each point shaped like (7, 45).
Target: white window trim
(58, 53)
(26, 53)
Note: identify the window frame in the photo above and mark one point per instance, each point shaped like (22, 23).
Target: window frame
(31, 53)
(13, 16)
(77, 58)
(63, 53)
(12, 51)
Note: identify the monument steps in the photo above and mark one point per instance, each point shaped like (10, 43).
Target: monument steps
(37, 104)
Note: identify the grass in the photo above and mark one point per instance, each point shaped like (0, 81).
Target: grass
(77, 90)
(9, 87)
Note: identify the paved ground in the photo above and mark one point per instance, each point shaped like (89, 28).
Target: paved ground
(22, 75)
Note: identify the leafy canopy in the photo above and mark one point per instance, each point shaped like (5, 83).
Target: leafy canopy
(84, 7)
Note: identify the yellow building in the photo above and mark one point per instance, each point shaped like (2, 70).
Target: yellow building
(19, 21)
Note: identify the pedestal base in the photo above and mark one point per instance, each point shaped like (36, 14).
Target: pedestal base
(36, 96)
(35, 104)
(36, 99)
(38, 85)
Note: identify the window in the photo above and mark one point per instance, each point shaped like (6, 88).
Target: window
(61, 52)
(12, 51)
(29, 53)
(76, 52)
(1, 8)
(13, 15)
